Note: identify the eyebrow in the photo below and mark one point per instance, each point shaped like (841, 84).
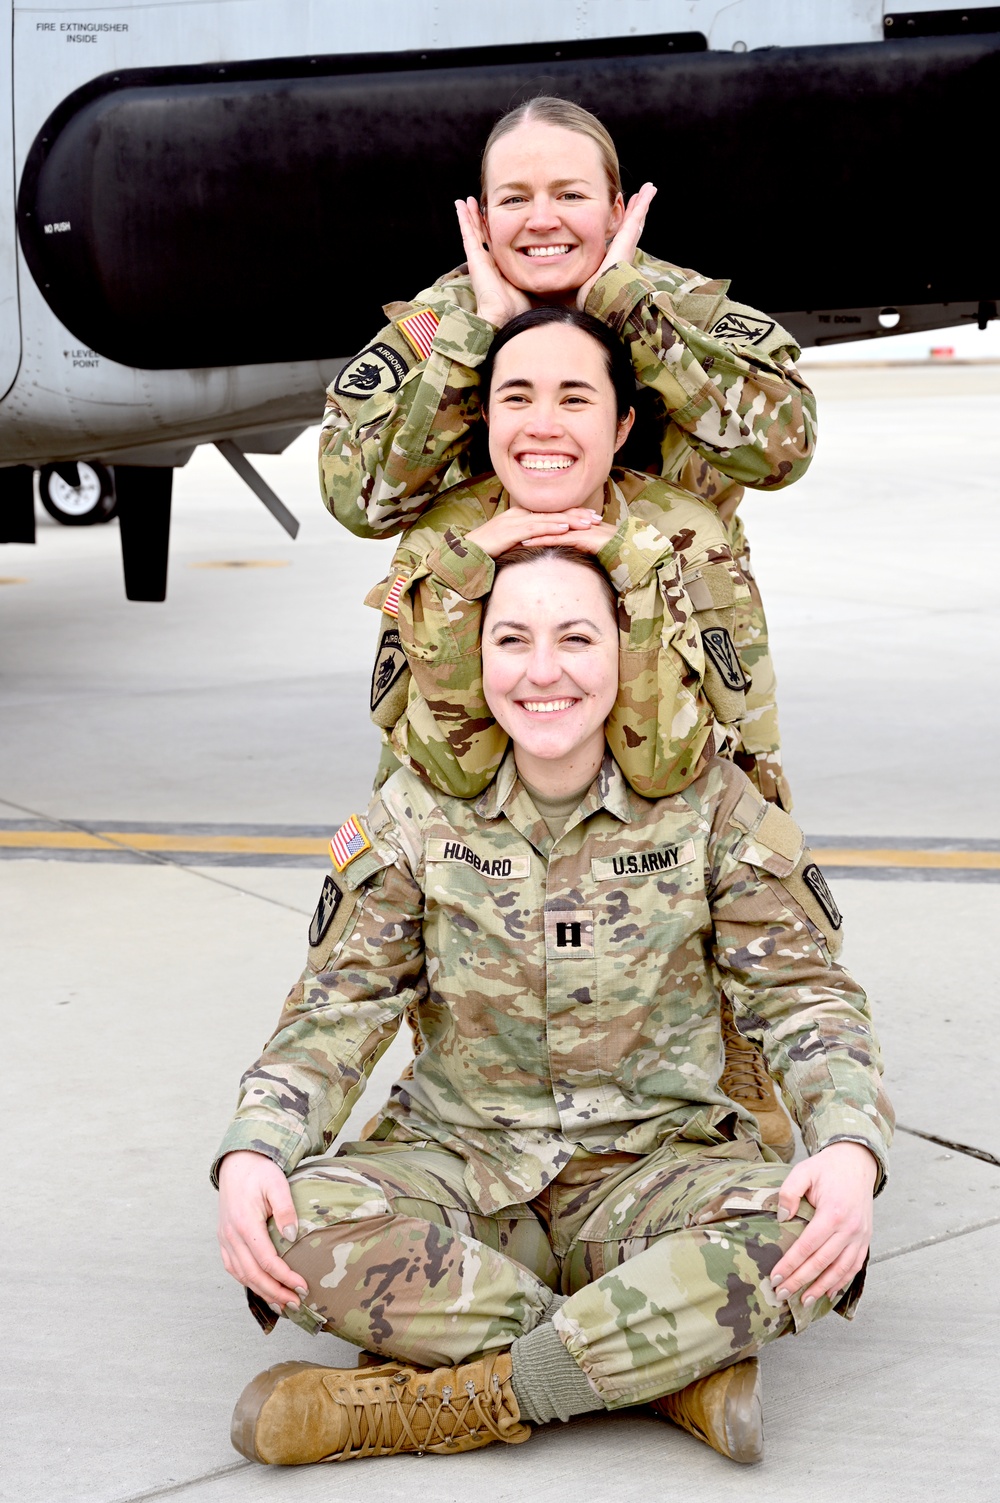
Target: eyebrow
(563, 625)
(563, 385)
(559, 182)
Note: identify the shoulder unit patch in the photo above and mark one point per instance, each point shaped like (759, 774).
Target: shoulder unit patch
(389, 666)
(747, 328)
(378, 368)
(820, 889)
(330, 899)
(719, 647)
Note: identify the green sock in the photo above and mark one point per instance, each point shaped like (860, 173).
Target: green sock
(548, 1383)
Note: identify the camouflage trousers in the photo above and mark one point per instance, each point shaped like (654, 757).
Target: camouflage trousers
(665, 1259)
(760, 753)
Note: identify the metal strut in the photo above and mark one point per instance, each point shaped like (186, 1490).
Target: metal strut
(258, 485)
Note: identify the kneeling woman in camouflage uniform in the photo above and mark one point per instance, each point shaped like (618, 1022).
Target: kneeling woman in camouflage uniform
(559, 1210)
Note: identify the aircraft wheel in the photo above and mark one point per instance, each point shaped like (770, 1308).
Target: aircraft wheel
(78, 495)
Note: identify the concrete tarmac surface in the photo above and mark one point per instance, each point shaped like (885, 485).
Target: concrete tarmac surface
(168, 774)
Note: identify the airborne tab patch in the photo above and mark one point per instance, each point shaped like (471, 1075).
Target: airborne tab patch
(389, 665)
(330, 899)
(747, 328)
(487, 866)
(349, 841)
(664, 858)
(378, 368)
(820, 889)
(719, 647)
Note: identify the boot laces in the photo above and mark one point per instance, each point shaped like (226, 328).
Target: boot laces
(383, 1413)
(745, 1076)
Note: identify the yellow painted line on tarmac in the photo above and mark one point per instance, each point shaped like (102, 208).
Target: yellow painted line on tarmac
(952, 860)
(312, 845)
(80, 840)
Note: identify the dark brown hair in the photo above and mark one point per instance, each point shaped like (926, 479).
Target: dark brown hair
(617, 360)
(569, 555)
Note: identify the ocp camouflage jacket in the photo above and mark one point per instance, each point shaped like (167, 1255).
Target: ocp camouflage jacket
(567, 991)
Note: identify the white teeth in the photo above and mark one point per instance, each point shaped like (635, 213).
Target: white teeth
(543, 706)
(547, 250)
(540, 462)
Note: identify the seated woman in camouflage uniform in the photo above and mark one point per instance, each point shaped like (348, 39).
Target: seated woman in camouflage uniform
(560, 1211)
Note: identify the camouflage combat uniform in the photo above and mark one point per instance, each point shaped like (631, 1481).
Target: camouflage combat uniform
(731, 408)
(681, 681)
(563, 1129)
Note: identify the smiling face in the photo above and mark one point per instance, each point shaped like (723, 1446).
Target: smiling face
(550, 669)
(549, 211)
(553, 423)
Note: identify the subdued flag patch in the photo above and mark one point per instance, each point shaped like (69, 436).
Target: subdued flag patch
(391, 603)
(419, 329)
(349, 841)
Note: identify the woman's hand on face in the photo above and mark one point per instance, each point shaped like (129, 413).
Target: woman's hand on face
(518, 525)
(252, 1188)
(838, 1183)
(497, 300)
(623, 246)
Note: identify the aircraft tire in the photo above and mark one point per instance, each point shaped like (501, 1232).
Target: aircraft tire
(77, 494)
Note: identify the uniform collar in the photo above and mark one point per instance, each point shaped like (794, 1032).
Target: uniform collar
(508, 795)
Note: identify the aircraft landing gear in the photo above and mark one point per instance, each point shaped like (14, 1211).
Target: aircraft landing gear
(144, 518)
(78, 494)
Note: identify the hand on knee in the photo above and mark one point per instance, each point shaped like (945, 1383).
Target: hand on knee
(251, 1189)
(838, 1183)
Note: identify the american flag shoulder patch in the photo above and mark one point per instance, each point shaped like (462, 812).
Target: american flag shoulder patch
(349, 841)
(419, 329)
(390, 604)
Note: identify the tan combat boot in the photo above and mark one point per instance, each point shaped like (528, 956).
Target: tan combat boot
(746, 1081)
(297, 1412)
(722, 1409)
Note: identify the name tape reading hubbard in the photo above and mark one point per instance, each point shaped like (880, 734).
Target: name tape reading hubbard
(488, 866)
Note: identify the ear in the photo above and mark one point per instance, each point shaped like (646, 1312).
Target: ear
(615, 216)
(486, 225)
(624, 428)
